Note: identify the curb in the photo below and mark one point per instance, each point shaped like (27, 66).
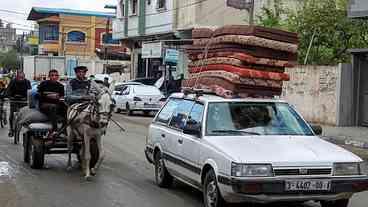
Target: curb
(346, 141)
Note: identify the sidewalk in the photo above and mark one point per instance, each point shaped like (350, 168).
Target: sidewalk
(351, 136)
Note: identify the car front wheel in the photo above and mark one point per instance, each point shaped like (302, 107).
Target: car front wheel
(163, 177)
(338, 203)
(211, 194)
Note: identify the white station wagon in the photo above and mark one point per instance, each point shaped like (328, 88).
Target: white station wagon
(249, 150)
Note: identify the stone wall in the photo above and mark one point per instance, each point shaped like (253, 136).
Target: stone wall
(313, 91)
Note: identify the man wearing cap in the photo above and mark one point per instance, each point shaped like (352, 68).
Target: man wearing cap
(77, 90)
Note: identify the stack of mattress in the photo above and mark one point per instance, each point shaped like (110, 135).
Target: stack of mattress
(243, 61)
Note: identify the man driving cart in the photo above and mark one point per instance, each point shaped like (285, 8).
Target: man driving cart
(51, 96)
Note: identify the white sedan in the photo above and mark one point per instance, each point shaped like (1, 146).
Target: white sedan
(249, 150)
(138, 98)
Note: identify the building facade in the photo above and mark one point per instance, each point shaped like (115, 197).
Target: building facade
(65, 32)
(141, 24)
(8, 37)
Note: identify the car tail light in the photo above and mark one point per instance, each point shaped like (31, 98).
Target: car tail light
(163, 99)
(137, 99)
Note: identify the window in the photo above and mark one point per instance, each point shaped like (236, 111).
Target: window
(134, 7)
(165, 114)
(196, 114)
(181, 113)
(122, 8)
(76, 36)
(125, 91)
(107, 39)
(161, 4)
(49, 32)
(242, 118)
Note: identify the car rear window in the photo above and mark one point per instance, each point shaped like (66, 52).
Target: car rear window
(146, 90)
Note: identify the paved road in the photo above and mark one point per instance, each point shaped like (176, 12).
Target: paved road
(125, 179)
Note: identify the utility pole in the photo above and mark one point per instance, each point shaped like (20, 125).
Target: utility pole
(105, 44)
(21, 52)
(251, 13)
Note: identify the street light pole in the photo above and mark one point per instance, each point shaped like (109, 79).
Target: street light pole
(251, 13)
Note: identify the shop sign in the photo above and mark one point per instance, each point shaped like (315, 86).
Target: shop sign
(171, 56)
(152, 50)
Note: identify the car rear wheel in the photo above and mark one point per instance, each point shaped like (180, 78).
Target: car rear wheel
(163, 177)
(338, 203)
(211, 193)
(128, 110)
(118, 110)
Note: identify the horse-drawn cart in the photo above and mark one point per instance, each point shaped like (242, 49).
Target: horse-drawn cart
(37, 144)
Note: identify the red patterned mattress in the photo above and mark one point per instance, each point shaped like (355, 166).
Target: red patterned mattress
(268, 33)
(248, 41)
(198, 33)
(254, 51)
(243, 72)
(231, 89)
(245, 58)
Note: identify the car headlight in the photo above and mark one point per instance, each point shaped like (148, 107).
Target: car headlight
(251, 170)
(349, 169)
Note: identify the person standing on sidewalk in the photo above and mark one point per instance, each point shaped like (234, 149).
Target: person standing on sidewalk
(17, 93)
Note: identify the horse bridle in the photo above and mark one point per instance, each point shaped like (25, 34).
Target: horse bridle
(94, 110)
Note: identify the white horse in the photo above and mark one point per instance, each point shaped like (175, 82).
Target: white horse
(88, 123)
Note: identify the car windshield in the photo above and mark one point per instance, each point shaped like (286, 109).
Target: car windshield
(245, 118)
(146, 90)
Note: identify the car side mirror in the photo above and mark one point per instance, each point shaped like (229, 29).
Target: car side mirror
(317, 129)
(192, 128)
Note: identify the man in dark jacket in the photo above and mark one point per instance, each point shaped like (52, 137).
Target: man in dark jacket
(51, 93)
(77, 90)
(17, 93)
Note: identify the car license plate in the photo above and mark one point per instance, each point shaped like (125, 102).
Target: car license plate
(147, 105)
(307, 185)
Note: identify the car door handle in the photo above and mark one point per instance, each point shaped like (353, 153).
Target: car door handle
(180, 141)
(163, 135)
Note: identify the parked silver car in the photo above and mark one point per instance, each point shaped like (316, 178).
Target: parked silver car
(137, 97)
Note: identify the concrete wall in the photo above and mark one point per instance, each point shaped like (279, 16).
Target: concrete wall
(159, 20)
(215, 13)
(313, 91)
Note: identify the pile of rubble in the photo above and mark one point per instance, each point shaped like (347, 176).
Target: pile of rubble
(241, 61)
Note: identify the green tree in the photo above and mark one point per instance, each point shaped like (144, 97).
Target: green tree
(334, 33)
(272, 16)
(10, 60)
(324, 21)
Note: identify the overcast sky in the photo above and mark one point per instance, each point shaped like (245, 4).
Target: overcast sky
(24, 6)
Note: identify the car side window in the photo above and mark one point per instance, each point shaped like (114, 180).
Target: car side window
(196, 115)
(181, 113)
(166, 113)
(125, 91)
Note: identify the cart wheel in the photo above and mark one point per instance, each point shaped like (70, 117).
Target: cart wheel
(37, 154)
(25, 148)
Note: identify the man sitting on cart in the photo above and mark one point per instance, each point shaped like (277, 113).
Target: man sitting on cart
(17, 93)
(51, 95)
(78, 89)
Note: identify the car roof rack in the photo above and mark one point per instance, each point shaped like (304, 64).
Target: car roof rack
(197, 92)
